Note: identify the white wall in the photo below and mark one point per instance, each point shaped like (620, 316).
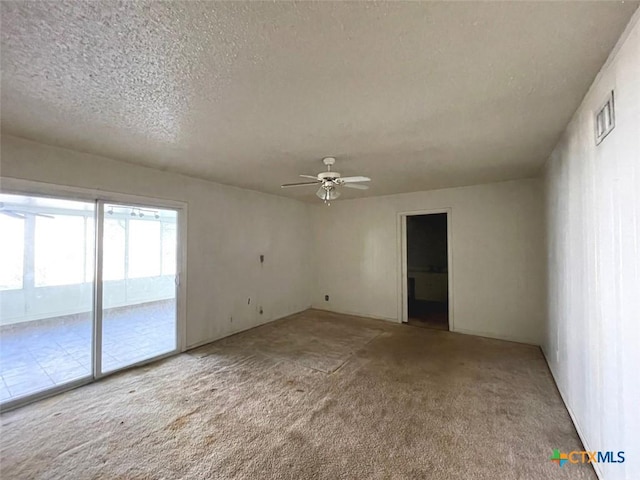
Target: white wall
(497, 248)
(593, 222)
(228, 229)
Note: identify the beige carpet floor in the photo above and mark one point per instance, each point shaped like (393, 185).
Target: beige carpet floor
(312, 396)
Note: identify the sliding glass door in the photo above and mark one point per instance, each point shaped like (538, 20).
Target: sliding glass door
(138, 284)
(46, 293)
(75, 305)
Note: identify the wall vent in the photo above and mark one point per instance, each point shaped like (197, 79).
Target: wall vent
(605, 119)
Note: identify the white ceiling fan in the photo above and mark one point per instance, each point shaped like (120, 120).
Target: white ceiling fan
(17, 213)
(329, 182)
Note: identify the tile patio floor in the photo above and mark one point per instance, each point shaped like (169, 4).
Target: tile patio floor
(52, 352)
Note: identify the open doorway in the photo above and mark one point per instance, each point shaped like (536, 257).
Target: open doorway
(427, 271)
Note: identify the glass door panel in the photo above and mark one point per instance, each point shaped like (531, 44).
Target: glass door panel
(46, 293)
(138, 290)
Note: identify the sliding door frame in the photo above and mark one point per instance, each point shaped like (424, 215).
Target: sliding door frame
(18, 186)
(99, 284)
(96, 351)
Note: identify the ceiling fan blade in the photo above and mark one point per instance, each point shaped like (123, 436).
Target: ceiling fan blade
(309, 176)
(11, 213)
(21, 214)
(356, 186)
(300, 184)
(355, 179)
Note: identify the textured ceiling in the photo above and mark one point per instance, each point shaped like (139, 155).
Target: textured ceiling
(415, 95)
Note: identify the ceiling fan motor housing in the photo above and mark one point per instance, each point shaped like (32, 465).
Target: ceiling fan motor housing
(328, 176)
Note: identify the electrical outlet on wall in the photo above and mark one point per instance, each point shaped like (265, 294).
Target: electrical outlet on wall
(326, 298)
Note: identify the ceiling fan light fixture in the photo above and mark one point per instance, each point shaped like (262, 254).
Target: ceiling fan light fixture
(327, 193)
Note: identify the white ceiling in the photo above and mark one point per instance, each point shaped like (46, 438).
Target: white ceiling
(415, 95)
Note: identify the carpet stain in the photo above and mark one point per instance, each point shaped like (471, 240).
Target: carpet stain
(182, 420)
